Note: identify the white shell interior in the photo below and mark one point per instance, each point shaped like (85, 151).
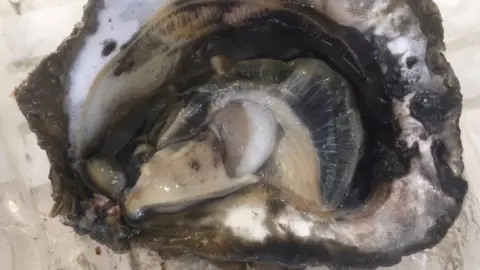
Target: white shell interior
(118, 21)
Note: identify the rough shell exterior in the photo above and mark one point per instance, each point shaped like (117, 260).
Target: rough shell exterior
(427, 110)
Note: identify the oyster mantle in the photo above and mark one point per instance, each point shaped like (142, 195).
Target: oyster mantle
(420, 175)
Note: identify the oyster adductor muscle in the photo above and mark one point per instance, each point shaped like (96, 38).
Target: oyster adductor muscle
(300, 132)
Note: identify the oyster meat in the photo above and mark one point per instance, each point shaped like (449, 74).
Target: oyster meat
(307, 132)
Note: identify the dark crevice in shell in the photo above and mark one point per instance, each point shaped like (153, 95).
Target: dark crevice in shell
(433, 109)
(108, 47)
(445, 175)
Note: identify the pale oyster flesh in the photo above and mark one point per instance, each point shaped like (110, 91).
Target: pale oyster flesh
(389, 51)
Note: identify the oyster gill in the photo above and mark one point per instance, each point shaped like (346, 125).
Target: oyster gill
(389, 50)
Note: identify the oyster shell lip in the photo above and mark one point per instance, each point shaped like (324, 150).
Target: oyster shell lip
(46, 117)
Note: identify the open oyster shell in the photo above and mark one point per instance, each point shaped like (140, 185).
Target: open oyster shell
(126, 62)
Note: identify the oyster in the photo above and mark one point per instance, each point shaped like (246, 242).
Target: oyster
(300, 132)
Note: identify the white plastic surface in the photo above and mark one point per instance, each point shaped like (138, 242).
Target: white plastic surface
(29, 240)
